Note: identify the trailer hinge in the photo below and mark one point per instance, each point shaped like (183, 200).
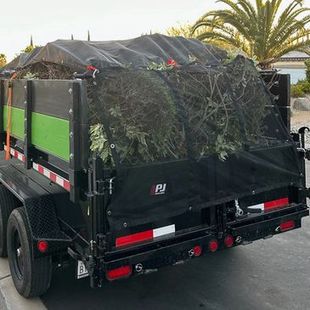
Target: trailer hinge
(100, 187)
(103, 186)
(102, 243)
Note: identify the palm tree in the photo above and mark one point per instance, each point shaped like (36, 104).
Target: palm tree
(265, 31)
(186, 31)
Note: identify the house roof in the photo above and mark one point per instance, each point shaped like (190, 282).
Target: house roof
(294, 55)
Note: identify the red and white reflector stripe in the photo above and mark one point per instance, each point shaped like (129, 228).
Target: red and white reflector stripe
(16, 154)
(42, 170)
(148, 235)
(52, 176)
(270, 205)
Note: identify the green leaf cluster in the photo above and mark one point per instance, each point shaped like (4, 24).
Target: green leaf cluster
(99, 143)
(300, 89)
(153, 66)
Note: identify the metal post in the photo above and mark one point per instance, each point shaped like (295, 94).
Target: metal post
(79, 139)
(27, 124)
(100, 191)
(74, 135)
(2, 103)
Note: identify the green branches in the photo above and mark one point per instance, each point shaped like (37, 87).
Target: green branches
(141, 114)
(99, 142)
(162, 115)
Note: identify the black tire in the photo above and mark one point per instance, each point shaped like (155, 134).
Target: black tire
(32, 277)
(8, 202)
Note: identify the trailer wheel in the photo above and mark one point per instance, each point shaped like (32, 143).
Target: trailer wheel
(8, 203)
(31, 276)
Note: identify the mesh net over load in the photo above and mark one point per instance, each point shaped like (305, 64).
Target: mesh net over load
(187, 112)
(159, 98)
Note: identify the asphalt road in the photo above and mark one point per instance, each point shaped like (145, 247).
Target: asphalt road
(268, 274)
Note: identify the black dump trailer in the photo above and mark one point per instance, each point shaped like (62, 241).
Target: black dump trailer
(164, 150)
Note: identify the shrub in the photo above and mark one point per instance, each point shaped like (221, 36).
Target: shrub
(305, 86)
(297, 91)
(307, 63)
(301, 88)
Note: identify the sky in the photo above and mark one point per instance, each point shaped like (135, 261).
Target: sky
(47, 21)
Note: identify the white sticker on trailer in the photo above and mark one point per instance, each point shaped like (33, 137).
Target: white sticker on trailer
(162, 231)
(81, 270)
(259, 206)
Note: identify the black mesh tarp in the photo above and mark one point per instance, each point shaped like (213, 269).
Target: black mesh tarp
(180, 124)
(135, 53)
(22, 60)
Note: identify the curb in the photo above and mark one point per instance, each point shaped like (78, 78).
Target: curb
(9, 298)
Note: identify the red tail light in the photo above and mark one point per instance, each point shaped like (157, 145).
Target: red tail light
(197, 250)
(213, 245)
(229, 241)
(287, 225)
(118, 273)
(42, 246)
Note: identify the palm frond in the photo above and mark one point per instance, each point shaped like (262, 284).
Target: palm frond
(263, 30)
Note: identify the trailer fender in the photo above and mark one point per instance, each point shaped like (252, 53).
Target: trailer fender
(44, 225)
(40, 207)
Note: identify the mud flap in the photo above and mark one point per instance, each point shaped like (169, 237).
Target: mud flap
(44, 225)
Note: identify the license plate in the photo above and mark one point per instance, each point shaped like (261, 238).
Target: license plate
(81, 270)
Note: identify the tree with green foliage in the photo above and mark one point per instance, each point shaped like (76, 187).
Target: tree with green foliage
(183, 30)
(30, 47)
(2, 60)
(186, 31)
(265, 31)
